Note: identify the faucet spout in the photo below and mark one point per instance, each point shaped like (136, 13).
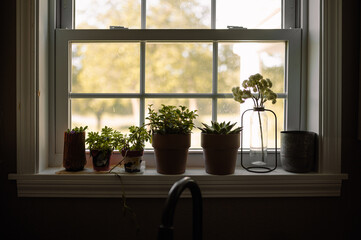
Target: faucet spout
(166, 228)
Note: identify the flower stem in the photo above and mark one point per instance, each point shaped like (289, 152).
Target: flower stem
(261, 131)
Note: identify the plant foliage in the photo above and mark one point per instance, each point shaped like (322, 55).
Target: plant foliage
(257, 88)
(77, 130)
(171, 120)
(105, 141)
(135, 141)
(220, 128)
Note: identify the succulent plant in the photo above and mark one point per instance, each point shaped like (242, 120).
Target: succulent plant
(220, 128)
(77, 130)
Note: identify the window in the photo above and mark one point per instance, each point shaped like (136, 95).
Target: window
(171, 52)
(38, 109)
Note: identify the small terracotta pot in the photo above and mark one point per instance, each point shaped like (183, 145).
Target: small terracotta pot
(171, 152)
(220, 152)
(74, 151)
(101, 159)
(132, 160)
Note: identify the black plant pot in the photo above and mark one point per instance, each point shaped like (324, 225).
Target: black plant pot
(298, 150)
(101, 159)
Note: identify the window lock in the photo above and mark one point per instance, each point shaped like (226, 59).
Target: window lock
(236, 27)
(117, 27)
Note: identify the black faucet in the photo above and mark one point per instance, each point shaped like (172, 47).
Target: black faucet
(165, 231)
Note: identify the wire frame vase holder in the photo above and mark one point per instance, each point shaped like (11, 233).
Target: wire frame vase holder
(259, 131)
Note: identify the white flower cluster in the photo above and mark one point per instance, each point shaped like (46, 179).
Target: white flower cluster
(257, 88)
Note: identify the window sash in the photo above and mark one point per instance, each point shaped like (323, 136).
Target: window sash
(65, 37)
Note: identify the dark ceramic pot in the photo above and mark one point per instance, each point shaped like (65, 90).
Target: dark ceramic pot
(298, 150)
(171, 152)
(220, 152)
(132, 160)
(74, 151)
(101, 159)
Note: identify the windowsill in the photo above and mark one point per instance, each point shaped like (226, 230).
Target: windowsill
(150, 184)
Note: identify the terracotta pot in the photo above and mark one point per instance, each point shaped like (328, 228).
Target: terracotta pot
(132, 160)
(171, 152)
(101, 159)
(74, 151)
(220, 152)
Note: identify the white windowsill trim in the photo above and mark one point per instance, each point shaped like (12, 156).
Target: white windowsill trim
(150, 184)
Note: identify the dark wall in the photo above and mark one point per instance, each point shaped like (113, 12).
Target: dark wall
(7, 115)
(351, 147)
(246, 218)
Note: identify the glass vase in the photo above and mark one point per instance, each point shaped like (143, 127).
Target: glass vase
(258, 137)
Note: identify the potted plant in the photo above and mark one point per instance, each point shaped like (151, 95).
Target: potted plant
(259, 90)
(220, 143)
(74, 149)
(171, 137)
(132, 148)
(101, 147)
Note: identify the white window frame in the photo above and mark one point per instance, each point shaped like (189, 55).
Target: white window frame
(321, 85)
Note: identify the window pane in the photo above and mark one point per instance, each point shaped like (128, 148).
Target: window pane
(178, 68)
(97, 113)
(228, 110)
(203, 107)
(101, 14)
(259, 14)
(237, 61)
(179, 14)
(105, 67)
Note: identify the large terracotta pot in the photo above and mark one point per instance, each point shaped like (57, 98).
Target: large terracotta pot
(171, 152)
(132, 160)
(74, 151)
(101, 159)
(220, 152)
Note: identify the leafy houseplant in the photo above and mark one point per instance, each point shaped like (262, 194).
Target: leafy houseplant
(220, 143)
(102, 145)
(132, 147)
(259, 90)
(74, 149)
(171, 136)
